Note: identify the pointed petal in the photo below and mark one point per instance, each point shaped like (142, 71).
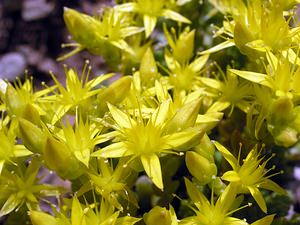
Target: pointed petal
(121, 118)
(114, 150)
(219, 47)
(128, 31)
(152, 168)
(258, 78)
(267, 220)
(272, 186)
(179, 139)
(127, 7)
(160, 114)
(195, 195)
(1, 165)
(21, 150)
(11, 203)
(227, 155)
(174, 16)
(234, 221)
(231, 176)
(258, 198)
(199, 63)
(149, 24)
(41, 218)
(77, 213)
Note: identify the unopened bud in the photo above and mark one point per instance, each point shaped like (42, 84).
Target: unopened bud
(158, 215)
(60, 159)
(200, 167)
(32, 136)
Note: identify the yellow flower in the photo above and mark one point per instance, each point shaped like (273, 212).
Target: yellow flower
(151, 10)
(8, 147)
(98, 35)
(250, 176)
(231, 92)
(77, 93)
(83, 215)
(148, 139)
(219, 212)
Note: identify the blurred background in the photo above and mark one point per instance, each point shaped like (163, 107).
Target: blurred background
(31, 34)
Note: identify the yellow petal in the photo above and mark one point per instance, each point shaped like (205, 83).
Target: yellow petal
(271, 185)
(199, 63)
(160, 114)
(219, 47)
(231, 176)
(174, 16)
(149, 24)
(181, 140)
(227, 155)
(258, 78)
(258, 198)
(267, 220)
(114, 150)
(152, 168)
(77, 213)
(121, 118)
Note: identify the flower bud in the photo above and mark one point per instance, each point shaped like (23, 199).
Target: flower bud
(148, 68)
(158, 215)
(60, 159)
(13, 101)
(281, 111)
(200, 167)
(41, 218)
(82, 27)
(285, 136)
(31, 114)
(184, 47)
(206, 148)
(185, 117)
(115, 93)
(33, 138)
